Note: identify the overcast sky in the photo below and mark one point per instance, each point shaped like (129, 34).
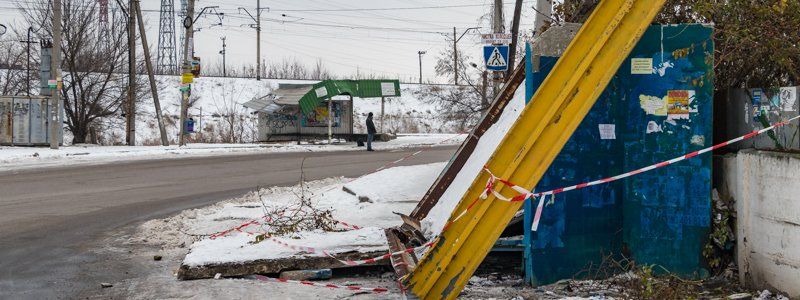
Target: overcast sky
(377, 36)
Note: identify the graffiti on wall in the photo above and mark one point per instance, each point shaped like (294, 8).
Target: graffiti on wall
(278, 121)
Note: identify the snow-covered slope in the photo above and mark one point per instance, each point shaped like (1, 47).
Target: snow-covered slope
(216, 97)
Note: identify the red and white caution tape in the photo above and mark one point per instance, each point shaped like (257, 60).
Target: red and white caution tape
(237, 228)
(315, 250)
(346, 262)
(327, 285)
(524, 194)
(348, 225)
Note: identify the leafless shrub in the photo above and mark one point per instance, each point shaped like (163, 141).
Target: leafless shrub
(301, 215)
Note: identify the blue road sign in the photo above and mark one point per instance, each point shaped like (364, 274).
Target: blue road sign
(496, 57)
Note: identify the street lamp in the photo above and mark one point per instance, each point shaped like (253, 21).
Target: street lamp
(420, 53)
(455, 50)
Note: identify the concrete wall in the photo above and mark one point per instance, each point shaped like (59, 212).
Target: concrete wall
(766, 188)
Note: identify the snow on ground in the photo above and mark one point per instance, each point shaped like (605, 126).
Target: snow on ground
(407, 113)
(439, 214)
(215, 97)
(16, 158)
(395, 189)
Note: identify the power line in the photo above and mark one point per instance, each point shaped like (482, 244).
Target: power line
(382, 9)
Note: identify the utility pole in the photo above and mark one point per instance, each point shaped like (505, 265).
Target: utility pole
(497, 27)
(497, 17)
(420, 53)
(55, 70)
(455, 56)
(484, 99)
(512, 55)
(149, 65)
(544, 11)
(257, 20)
(224, 67)
(130, 124)
(188, 24)
(258, 40)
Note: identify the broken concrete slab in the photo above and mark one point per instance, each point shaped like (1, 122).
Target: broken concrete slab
(319, 274)
(271, 266)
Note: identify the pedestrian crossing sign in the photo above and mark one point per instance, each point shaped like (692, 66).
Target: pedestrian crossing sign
(496, 57)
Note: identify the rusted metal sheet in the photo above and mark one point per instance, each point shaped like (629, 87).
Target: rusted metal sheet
(38, 121)
(22, 120)
(6, 120)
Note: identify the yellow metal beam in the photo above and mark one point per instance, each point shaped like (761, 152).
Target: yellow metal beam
(528, 149)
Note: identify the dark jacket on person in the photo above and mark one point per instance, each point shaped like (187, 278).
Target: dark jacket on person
(370, 126)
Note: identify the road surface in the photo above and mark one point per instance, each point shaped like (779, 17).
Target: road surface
(50, 219)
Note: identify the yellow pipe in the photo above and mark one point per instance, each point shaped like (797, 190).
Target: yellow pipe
(542, 129)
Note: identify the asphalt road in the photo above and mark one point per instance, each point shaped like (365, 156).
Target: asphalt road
(51, 218)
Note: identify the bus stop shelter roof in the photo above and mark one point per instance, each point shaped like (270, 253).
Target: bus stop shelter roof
(309, 96)
(285, 94)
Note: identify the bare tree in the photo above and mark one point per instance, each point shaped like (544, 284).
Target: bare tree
(12, 66)
(236, 126)
(284, 69)
(462, 104)
(320, 71)
(94, 54)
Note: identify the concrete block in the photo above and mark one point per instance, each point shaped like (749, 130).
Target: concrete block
(765, 186)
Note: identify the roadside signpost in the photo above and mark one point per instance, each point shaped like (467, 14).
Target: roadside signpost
(496, 38)
(496, 57)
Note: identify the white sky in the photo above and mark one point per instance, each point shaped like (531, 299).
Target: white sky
(383, 39)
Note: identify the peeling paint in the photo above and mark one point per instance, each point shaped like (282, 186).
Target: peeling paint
(652, 127)
(653, 105)
(698, 140)
(662, 68)
(451, 285)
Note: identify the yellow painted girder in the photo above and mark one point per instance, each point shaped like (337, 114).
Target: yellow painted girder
(528, 149)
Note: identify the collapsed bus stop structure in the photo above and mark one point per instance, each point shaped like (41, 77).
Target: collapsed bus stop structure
(617, 70)
(320, 110)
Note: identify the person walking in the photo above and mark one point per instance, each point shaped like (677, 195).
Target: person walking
(370, 132)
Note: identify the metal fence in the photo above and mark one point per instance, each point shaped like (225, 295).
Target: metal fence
(744, 110)
(24, 121)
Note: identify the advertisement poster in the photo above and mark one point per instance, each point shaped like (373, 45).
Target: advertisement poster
(788, 98)
(678, 104)
(319, 117)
